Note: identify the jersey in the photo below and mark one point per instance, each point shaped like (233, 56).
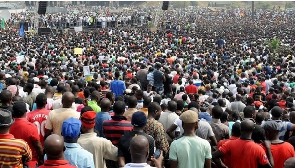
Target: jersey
(39, 117)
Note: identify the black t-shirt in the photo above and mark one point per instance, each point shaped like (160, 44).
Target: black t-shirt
(78, 100)
(124, 144)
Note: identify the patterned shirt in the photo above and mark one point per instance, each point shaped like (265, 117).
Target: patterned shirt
(12, 151)
(156, 130)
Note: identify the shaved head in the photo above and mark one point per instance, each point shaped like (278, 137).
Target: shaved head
(54, 147)
(290, 163)
(139, 149)
(105, 104)
(247, 126)
(67, 99)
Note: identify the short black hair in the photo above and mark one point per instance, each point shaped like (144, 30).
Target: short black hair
(119, 107)
(217, 112)
(236, 129)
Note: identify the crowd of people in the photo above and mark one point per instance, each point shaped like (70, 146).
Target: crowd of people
(197, 92)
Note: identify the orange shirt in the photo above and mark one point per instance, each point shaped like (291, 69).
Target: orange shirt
(81, 95)
(226, 158)
(244, 153)
(280, 153)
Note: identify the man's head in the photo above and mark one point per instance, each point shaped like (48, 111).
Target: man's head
(67, 99)
(19, 109)
(236, 129)
(88, 120)
(146, 101)
(249, 112)
(272, 129)
(217, 112)
(172, 106)
(119, 107)
(6, 121)
(41, 100)
(95, 95)
(154, 110)
(139, 149)
(189, 120)
(247, 126)
(132, 102)
(29, 87)
(54, 147)
(6, 97)
(71, 130)
(276, 113)
(139, 119)
(105, 105)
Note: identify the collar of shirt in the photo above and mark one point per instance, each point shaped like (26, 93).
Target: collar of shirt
(214, 120)
(55, 162)
(6, 136)
(72, 145)
(119, 118)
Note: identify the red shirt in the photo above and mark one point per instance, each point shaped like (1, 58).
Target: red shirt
(282, 104)
(23, 129)
(129, 75)
(246, 151)
(57, 164)
(280, 153)
(175, 78)
(38, 117)
(226, 158)
(191, 89)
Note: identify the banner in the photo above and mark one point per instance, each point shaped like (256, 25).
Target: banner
(78, 51)
(78, 29)
(86, 70)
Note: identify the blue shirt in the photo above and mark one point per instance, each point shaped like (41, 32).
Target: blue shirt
(205, 115)
(99, 119)
(118, 87)
(77, 156)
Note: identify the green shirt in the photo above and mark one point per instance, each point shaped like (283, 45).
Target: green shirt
(94, 106)
(190, 152)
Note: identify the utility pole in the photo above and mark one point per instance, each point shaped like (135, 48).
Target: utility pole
(252, 10)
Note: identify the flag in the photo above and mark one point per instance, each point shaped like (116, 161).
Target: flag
(78, 29)
(21, 30)
(3, 23)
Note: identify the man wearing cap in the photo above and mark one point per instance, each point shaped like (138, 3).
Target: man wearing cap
(138, 121)
(277, 114)
(19, 150)
(74, 153)
(190, 150)
(280, 150)
(23, 129)
(101, 148)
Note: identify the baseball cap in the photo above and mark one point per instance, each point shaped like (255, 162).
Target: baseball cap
(139, 119)
(189, 116)
(271, 125)
(71, 128)
(276, 111)
(88, 119)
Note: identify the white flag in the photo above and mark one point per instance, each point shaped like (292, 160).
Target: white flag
(78, 29)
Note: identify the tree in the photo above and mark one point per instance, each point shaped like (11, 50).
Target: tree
(263, 5)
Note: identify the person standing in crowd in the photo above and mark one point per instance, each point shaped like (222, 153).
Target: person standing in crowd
(101, 148)
(57, 117)
(54, 149)
(117, 86)
(252, 153)
(74, 153)
(23, 129)
(169, 117)
(220, 130)
(105, 105)
(155, 129)
(94, 102)
(238, 105)
(141, 75)
(139, 150)
(20, 152)
(138, 121)
(191, 88)
(190, 150)
(39, 116)
(132, 103)
(159, 78)
(115, 128)
(6, 100)
(31, 98)
(281, 151)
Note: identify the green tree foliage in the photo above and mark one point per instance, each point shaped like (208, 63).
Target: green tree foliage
(263, 5)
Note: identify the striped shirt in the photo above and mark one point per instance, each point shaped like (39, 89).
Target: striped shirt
(12, 151)
(115, 128)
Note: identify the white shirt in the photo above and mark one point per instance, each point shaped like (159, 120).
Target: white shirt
(137, 165)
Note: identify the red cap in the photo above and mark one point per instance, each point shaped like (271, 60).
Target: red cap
(88, 119)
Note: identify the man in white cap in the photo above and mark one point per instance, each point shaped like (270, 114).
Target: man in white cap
(190, 150)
